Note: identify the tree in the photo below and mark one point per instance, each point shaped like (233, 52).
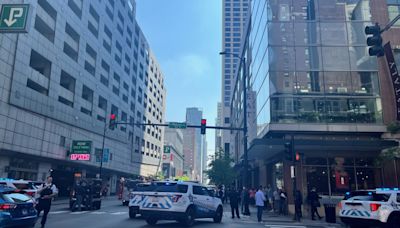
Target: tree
(220, 169)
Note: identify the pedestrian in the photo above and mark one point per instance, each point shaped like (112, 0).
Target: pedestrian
(313, 200)
(277, 199)
(79, 192)
(259, 198)
(270, 198)
(221, 194)
(47, 192)
(234, 199)
(246, 201)
(298, 201)
(266, 198)
(283, 202)
(252, 194)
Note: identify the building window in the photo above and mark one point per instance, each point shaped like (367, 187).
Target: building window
(44, 29)
(226, 120)
(62, 141)
(394, 10)
(67, 81)
(40, 64)
(87, 94)
(71, 44)
(65, 101)
(76, 7)
(102, 103)
(38, 88)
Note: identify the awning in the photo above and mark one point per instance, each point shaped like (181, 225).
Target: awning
(270, 147)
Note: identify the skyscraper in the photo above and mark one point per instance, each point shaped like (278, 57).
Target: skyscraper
(234, 13)
(192, 146)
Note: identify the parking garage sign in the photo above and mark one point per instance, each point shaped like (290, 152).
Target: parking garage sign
(13, 17)
(81, 150)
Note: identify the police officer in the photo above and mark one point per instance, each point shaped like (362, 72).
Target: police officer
(47, 192)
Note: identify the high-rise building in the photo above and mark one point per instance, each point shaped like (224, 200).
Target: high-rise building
(172, 165)
(234, 14)
(192, 145)
(79, 62)
(218, 133)
(317, 90)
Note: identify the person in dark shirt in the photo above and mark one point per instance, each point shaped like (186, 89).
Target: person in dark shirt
(79, 193)
(313, 199)
(298, 201)
(234, 199)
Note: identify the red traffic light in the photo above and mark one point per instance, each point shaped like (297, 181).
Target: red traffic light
(297, 156)
(203, 122)
(113, 117)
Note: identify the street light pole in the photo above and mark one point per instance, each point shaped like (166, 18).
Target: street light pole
(244, 84)
(102, 149)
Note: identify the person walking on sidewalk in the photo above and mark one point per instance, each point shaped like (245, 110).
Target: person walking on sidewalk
(313, 199)
(283, 202)
(277, 199)
(298, 201)
(234, 199)
(270, 198)
(47, 192)
(260, 198)
(245, 201)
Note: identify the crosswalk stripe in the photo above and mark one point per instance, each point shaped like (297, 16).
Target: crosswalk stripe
(119, 213)
(79, 212)
(284, 226)
(58, 212)
(98, 212)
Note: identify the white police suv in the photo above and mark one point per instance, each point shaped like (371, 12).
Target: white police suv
(380, 207)
(183, 201)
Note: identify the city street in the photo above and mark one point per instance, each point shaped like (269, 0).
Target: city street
(113, 214)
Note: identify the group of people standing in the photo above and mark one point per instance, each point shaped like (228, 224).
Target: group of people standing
(267, 199)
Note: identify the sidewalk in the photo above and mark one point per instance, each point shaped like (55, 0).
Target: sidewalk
(272, 217)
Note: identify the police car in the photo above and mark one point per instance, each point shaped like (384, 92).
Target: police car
(183, 201)
(379, 207)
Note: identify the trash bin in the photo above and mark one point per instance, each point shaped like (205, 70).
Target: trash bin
(330, 213)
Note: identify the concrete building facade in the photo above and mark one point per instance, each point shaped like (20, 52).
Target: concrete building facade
(173, 160)
(78, 63)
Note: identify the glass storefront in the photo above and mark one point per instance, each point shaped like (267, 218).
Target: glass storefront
(337, 175)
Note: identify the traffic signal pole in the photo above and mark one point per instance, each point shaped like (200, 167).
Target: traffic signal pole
(102, 148)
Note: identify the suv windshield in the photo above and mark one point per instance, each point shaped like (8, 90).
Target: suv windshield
(23, 186)
(171, 187)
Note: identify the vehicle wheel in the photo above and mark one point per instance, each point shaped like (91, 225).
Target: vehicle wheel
(151, 221)
(218, 215)
(393, 221)
(190, 215)
(132, 213)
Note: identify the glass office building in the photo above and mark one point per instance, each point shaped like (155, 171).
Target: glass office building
(316, 86)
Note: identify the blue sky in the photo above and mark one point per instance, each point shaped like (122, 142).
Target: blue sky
(185, 36)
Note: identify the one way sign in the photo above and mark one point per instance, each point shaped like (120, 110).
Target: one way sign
(13, 17)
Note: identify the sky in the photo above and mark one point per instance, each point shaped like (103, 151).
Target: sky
(185, 36)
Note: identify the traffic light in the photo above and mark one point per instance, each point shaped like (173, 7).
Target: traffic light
(288, 151)
(111, 124)
(297, 157)
(374, 41)
(203, 126)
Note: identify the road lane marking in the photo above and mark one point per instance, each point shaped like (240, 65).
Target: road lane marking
(119, 213)
(79, 212)
(98, 212)
(58, 212)
(284, 226)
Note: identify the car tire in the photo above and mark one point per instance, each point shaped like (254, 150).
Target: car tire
(189, 217)
(151, 221)
(393, 221)
(218, 215)
(132, 213)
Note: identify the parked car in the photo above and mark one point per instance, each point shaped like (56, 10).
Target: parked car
(22, 185)
(16, 208)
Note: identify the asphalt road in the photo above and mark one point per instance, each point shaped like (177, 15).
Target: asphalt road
(114, 215)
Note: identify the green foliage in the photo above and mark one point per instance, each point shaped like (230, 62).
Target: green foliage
(393, 127)
(220, 169)
(387, 155)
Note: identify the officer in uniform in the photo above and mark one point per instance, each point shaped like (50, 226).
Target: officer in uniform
(47, 192)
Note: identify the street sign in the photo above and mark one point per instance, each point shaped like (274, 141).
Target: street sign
(13, 17)
(106, 155)
(167, 149)
(81, 147)
(177, 125)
